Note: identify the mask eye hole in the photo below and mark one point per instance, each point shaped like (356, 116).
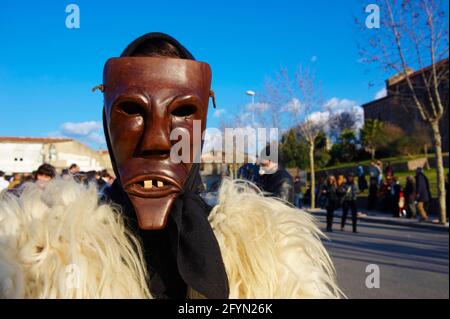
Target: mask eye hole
(184, 110)
(130, 108)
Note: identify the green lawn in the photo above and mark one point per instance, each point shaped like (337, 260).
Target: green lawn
(392, 160)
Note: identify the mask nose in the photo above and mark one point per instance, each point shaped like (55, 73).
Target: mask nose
(156, 137)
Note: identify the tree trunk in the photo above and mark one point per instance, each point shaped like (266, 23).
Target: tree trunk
(313, 177)
(372, 153)
(427, 163)
(439, 170)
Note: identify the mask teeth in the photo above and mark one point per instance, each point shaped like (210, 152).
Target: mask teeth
(149, 184)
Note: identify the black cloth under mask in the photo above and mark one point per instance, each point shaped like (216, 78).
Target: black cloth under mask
(184, 254)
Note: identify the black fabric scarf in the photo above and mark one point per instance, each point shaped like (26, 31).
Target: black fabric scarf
(184, 254)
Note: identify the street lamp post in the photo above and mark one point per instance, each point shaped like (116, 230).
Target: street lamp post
(252, 94)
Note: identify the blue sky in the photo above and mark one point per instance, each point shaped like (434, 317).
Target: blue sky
(47, 70)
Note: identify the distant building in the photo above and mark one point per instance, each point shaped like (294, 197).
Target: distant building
(26, 154)
(398, 107)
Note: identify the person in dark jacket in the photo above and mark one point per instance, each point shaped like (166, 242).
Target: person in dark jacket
(350, 192)
(360, 173)
(373, 195)
(396, 193)
(297, 192)
(331, 191)
(276, 181)
(410, 197)
(423, 194)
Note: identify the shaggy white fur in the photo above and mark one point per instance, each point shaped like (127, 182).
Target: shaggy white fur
(59, 243)
(269, 248)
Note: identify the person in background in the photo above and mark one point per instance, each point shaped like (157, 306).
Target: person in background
(362, 182)
(379, 166)
(341, 181)
(373, 194)
(44, 174)
(389, 170)
(321, 199)
(107, 177)
(244, 171)
(297, 192)
(332, 194)
(65, 174)
(27, 178)
(374, 171)
(350, 193)
(74, 169)
(3, 182)
(396, 190)
(423, 194)
(410, 197)
(276, 181)
(16, 181)
(307, 195)
(386, 195)
(249, 171)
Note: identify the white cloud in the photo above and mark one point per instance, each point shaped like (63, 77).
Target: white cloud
(81, 128)
(319, 117)
(381, 94)
(218, 113)
(294, 106)
(337, 103)
(257, 107)
(89, 132)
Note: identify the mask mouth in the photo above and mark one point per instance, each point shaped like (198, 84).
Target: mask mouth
(151, 186)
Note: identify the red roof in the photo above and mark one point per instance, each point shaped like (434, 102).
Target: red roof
(45, 140)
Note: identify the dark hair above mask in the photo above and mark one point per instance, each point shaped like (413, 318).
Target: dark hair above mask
(156, 44)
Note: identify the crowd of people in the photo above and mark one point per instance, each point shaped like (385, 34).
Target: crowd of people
(385, 192)
(47, 172)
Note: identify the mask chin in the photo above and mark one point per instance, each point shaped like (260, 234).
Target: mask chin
(152, 213)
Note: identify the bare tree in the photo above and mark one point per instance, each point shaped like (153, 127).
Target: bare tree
(297, 102)
(341, 121)
(415, 34)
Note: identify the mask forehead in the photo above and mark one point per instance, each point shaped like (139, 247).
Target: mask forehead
(140, 141)
(160, 77)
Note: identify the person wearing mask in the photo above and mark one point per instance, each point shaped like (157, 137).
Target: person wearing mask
(331, 192)
(350, 192)
(423, 194)
(170, 244)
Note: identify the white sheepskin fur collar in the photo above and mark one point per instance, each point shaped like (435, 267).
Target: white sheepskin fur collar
(270, 249)
(59, 243)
